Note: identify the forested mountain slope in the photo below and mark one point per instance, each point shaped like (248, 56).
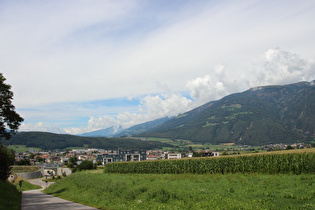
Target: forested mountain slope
(263, 115)
(50, 141)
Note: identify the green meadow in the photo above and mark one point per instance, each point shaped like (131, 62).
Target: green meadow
(187, 191)
(23, 148)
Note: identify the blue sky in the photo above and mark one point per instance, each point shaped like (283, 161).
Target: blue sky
(78, 66)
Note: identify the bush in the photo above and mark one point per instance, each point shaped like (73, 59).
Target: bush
(24, 162)
(85, 165)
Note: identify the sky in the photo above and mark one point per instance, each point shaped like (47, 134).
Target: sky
(77, 66)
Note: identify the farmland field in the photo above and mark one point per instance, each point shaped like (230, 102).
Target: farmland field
(271, 184)
(281, 162)
(22, 148)
(187, 191)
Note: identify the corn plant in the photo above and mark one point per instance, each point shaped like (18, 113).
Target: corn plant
(266, 163)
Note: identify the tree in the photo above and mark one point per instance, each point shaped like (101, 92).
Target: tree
(24, 162)
(40, 159)
(73, 160)
(9, 124)
(6, 160)
(289, 147)
(190, 149)
(9, 119)
(31, 156)
(84, 165)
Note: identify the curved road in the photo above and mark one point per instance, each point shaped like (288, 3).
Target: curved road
(36, 200)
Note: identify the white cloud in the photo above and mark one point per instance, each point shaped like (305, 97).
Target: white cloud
(166, 105)
(74, 51)
(209, 87)
(150, 108)
(40, 126)
(276, 67)
(283, 67)
(101, 123)
(88, 50)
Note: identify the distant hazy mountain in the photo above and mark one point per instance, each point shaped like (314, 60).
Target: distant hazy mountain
(142, 127)
(262, 115)
(117, 131)
(108, 132)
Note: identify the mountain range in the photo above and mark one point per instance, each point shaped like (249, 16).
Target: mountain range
(258, 116)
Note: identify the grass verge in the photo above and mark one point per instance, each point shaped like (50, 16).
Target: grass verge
(10, 197)
(10, 193)
(25, 185)
(187, 191)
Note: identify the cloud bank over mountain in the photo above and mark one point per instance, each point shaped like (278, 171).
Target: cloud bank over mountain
(278, 67)
(74, 65)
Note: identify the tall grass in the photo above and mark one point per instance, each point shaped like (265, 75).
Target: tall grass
(10, 197)
(25, 185)
(293, 162)
(187, 191)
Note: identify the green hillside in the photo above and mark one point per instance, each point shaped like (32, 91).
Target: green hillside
(264, 115)
(49, 141)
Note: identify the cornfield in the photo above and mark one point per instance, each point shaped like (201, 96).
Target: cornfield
(300, 162)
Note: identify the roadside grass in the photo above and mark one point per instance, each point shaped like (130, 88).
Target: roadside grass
(10, 197)
(10, 193)
(25, 185)
(53, 179)
(187, 191)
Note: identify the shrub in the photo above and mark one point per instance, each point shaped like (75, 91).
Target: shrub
(84, 165)
(24, 162)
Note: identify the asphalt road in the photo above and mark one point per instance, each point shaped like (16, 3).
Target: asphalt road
(40, 182)
(36, 200)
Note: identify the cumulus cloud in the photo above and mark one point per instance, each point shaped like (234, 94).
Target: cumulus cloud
(41, 126)
(150, 108)
(165, 105)
(96, 123)
(209, 87)
(282, 67)
(276, 67)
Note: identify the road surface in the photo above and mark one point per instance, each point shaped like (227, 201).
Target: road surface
(36, 200)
